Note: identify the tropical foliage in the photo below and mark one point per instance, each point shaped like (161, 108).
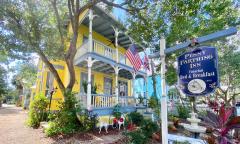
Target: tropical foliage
(221, 123)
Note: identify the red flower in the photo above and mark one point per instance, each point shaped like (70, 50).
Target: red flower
(121, 119)
(115, 120)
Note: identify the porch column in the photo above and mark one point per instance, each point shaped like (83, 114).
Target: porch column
(146, 85)
(116, 43)
(116, 84)
(90, 30)
(133, 81)
(89, 86)
(89, 61)
(133, 91)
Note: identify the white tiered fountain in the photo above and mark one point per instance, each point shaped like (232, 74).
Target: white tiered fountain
(194, 127)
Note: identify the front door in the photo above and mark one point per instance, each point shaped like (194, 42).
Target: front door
(123, 88)
(108, 86)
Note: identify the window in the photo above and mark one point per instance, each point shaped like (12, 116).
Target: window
(49, 83)
(85, 40)
(84, 77)
(108, 86)
(123, 88)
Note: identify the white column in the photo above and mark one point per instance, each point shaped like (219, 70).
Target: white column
(133, 81)
(116, 44)
(146, 85)
(116, 84)
(89, 61)
(89, 86)
(90, 30)
(133, 91)
(164, 97)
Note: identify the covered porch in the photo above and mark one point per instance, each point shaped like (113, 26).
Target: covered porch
(116, 86)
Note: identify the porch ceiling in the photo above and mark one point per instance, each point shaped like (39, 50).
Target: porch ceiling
(100, 66)
(103, 24)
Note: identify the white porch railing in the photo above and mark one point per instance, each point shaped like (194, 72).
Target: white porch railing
(101, 49)
(104, 50)
(101, 100)
(127, 101)
(104, 101)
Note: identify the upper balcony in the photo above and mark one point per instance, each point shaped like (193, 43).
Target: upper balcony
(103, 57)
(102, 50)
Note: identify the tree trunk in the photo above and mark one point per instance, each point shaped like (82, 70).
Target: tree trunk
(52, 70)
(153, 79)
(71, 74)
(70, 57)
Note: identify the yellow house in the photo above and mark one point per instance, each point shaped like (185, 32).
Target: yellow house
(100, 60)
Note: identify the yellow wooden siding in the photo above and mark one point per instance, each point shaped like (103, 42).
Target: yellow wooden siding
(98, 80)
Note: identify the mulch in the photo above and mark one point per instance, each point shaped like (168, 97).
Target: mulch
(81, 136)
(111, 131)
(78, 136)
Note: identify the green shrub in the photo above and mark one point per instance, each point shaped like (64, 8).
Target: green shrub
(87, 121)
(148, 127)
(142, 135)
(135, 117)
(183, 111)
(140, 99)
(65, 120)
(137, 137)
(116, 111)
(37, 111)
(153, 102)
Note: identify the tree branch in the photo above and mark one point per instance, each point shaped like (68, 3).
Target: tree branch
(121, 6)
(52, 69)
(70, 14)
(59, 24)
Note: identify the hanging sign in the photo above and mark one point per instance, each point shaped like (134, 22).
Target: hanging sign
(198, 71)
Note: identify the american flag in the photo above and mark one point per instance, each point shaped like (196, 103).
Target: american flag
(134, 57)
(146, 62)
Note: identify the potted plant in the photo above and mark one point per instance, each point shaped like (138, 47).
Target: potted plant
(157, 136)
(140, 100)
(152, 103)
(93, 87)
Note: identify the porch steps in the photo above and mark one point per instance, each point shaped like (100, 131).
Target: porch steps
(144, 112)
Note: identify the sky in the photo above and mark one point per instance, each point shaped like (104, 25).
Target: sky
(119, 13)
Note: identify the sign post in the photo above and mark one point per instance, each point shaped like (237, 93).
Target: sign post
(164, 118)
(162, 54)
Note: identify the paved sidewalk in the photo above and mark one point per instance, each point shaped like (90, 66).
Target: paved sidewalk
(14, 131)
